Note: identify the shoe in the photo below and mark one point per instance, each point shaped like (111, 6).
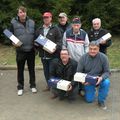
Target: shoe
(20, 92)
(34, 90)
(61, 98)
(54, 96)
(46, 89)
(82, 93)
(102, 105)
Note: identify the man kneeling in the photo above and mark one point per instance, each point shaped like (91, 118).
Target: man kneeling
(95, 63)
(64, 68)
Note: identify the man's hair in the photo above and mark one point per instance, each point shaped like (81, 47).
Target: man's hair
(96, 19)
(94, 43)
(22, 8)
(65, 49)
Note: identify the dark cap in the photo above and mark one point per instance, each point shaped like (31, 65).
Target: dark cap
(47, 14)
(76, 20)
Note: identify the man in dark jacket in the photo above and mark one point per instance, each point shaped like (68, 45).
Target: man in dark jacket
(24, 28)
(64, 68)
(63, 24)
(51, 32)
(97, 32)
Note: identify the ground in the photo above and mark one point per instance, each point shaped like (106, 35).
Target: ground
(39, 106)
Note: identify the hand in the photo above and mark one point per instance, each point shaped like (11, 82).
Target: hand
(15, 45)
(99, 79)
(86, 83)
(103, 42)
(53, 51)
(69, 87)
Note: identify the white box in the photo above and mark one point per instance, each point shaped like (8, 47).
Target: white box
(47, 44)
(14, 39)
(80, 77)
(63, 85)
(106, 36)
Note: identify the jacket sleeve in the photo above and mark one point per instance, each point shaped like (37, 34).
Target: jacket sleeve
(105, 65)
(86, 43)
(64, 43)
(73, 83)
(58, 38)
(80, 66)
(53, 67)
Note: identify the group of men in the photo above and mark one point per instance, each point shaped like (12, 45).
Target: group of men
(75, 52)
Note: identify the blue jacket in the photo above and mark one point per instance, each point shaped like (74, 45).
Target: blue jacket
(77, 44)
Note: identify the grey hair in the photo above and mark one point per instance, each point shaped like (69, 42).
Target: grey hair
(96, 19)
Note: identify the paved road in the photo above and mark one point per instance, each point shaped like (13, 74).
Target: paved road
(39, 106)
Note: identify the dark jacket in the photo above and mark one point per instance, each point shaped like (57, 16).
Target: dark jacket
(95, 35)
(66, 72)
(63, 28)
(25, 32)
(55, 36)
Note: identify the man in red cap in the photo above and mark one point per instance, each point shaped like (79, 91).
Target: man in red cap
(51, 32)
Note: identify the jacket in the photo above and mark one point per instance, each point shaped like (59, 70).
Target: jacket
(63, 28)
(66, 72)
(77, 45)
(24, 32)
(95, 35)
(55, 36)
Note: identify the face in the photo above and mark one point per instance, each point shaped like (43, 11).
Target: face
(22, 15)
(93, 50)
(62, 20)
(47, 20)
(96, 25)
(64, 55)
(76, 27)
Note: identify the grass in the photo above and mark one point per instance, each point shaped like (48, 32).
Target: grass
(114, 53)
(7, 54)
(8, 57)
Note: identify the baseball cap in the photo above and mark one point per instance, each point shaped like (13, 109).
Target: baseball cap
(62, 15)
(47, 14)
(76, 20)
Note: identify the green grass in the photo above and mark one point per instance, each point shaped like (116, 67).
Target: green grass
(7, 54)
(114, 53)
(8, 57)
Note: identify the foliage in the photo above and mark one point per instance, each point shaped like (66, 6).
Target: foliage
(107, 10)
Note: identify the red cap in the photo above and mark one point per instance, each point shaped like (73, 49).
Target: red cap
(47, 14)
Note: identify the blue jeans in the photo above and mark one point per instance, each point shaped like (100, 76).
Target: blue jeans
(102, 91)
(46, 67)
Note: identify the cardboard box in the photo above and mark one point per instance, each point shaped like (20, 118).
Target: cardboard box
(47, 44)
(82, 77)
(104, 38)
(59, 83)
(14, 39)
(79, 77)
(63, 85)
(53, 82)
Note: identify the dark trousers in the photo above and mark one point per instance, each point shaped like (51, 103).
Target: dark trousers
(71, 95)
(46, 67)
(21, 58)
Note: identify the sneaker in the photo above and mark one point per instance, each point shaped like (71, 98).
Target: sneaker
(102, 105)
(34, 90)
(20, 92)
